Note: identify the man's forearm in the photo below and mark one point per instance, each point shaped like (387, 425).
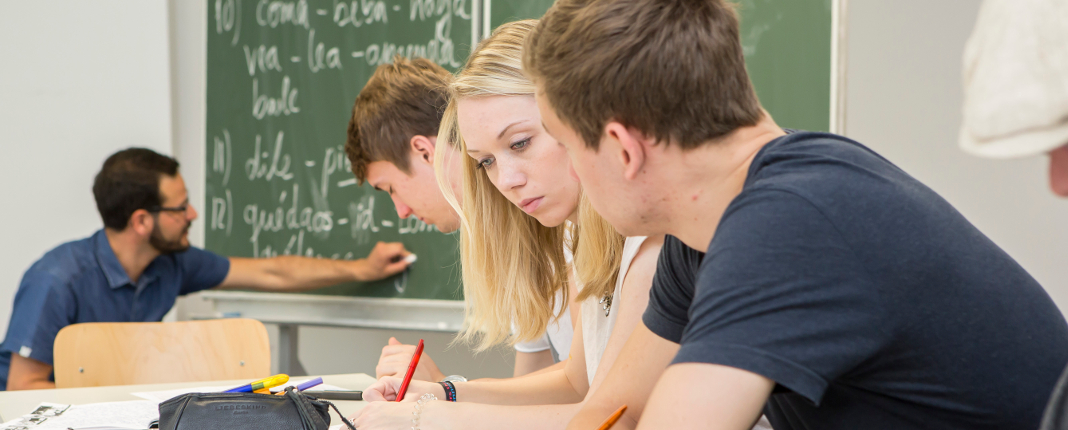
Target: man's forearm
(290, 273)
(305, 273)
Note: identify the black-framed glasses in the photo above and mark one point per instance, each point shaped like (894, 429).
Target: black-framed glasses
(180, 209)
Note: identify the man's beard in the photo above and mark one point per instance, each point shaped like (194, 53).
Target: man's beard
(165, 246)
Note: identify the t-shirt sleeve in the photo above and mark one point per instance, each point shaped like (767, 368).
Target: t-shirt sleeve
(537, 345)
(781, 294)
(672, 290)
(201, 270)
(42, 308)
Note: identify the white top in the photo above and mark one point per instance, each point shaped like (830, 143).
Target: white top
(596, 326)
(558, 334)
(1016, 79)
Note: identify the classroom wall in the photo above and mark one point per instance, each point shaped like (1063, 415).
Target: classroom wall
(904, 100)
(79, 81)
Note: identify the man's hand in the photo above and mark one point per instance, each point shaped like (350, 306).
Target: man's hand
(397, 356)
(385, 260)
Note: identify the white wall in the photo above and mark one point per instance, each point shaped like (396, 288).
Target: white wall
(904, 101)
(78, 81)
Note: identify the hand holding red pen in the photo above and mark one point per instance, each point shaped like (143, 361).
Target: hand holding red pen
(387, 388)
(411, 371)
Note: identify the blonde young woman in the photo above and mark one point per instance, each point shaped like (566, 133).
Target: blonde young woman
(518, 197)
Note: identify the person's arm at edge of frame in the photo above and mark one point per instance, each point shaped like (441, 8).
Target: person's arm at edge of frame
(706, 396)
(634, 374)
(28, 374)
(293, 273)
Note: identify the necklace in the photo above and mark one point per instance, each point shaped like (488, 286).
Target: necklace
(606, 303)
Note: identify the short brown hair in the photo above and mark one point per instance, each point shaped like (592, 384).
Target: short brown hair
(401, 100)
(672, 69)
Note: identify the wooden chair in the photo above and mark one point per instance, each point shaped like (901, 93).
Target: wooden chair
(98, 354)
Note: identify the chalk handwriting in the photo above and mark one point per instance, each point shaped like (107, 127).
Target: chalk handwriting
(228, 18)
(292, 218)
(334, 161)
(256, 166)
(275, 13)
(220, 163)
(263, 59)
(222, 218)
(413, 225)
(263, 106)
(360, 12)
(316, 54)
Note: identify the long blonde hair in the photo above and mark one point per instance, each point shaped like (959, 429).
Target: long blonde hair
(513, 267)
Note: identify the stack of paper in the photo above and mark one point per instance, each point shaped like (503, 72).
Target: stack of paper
(137, 414)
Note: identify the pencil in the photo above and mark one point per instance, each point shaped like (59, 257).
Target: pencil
(411, 371)
(607, 424)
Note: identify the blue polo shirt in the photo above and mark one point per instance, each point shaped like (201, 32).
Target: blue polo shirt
(82, 281)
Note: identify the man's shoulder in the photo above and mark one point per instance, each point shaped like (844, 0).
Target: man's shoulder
(65, 262)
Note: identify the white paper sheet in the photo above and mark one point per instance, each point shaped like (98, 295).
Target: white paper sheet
(135, 414)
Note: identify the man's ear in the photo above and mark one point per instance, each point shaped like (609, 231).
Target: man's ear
(423, 148)
(631, 147)
(142, 222)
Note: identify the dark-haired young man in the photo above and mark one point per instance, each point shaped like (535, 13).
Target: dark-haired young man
(140, 262)
(836, 291)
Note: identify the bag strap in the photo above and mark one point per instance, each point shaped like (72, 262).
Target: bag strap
(343, 419)
(297, 396)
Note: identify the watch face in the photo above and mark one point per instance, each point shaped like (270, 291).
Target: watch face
(455, 378)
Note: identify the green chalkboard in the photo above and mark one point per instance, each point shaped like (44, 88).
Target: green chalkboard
(501, 12)
(281, 80)
(787, 48)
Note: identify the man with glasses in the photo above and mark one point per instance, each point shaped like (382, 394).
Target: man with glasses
(140, 262)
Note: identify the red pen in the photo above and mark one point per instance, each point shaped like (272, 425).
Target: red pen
(411, 371)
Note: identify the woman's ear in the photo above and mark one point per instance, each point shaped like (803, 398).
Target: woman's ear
(423, 149)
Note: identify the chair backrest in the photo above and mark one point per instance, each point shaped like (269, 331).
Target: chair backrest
(98, 354)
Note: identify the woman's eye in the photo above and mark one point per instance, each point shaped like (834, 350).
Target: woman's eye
(484, 163)
(520, 144)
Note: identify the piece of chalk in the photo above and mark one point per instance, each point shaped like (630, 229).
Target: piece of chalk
(410, 258)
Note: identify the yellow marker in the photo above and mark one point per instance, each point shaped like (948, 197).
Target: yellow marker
(265, 383)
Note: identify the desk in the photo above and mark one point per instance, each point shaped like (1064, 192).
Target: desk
(14, 404)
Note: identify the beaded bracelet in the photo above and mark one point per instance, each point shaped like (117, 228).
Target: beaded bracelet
(419, 408)
(450, 390)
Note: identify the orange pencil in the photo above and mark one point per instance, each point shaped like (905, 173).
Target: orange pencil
(607, 424)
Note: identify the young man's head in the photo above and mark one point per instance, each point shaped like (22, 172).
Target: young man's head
(666, 75)
(392, 136)
(140, 191)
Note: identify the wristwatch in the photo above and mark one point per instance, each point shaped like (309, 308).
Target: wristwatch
(454, 378)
